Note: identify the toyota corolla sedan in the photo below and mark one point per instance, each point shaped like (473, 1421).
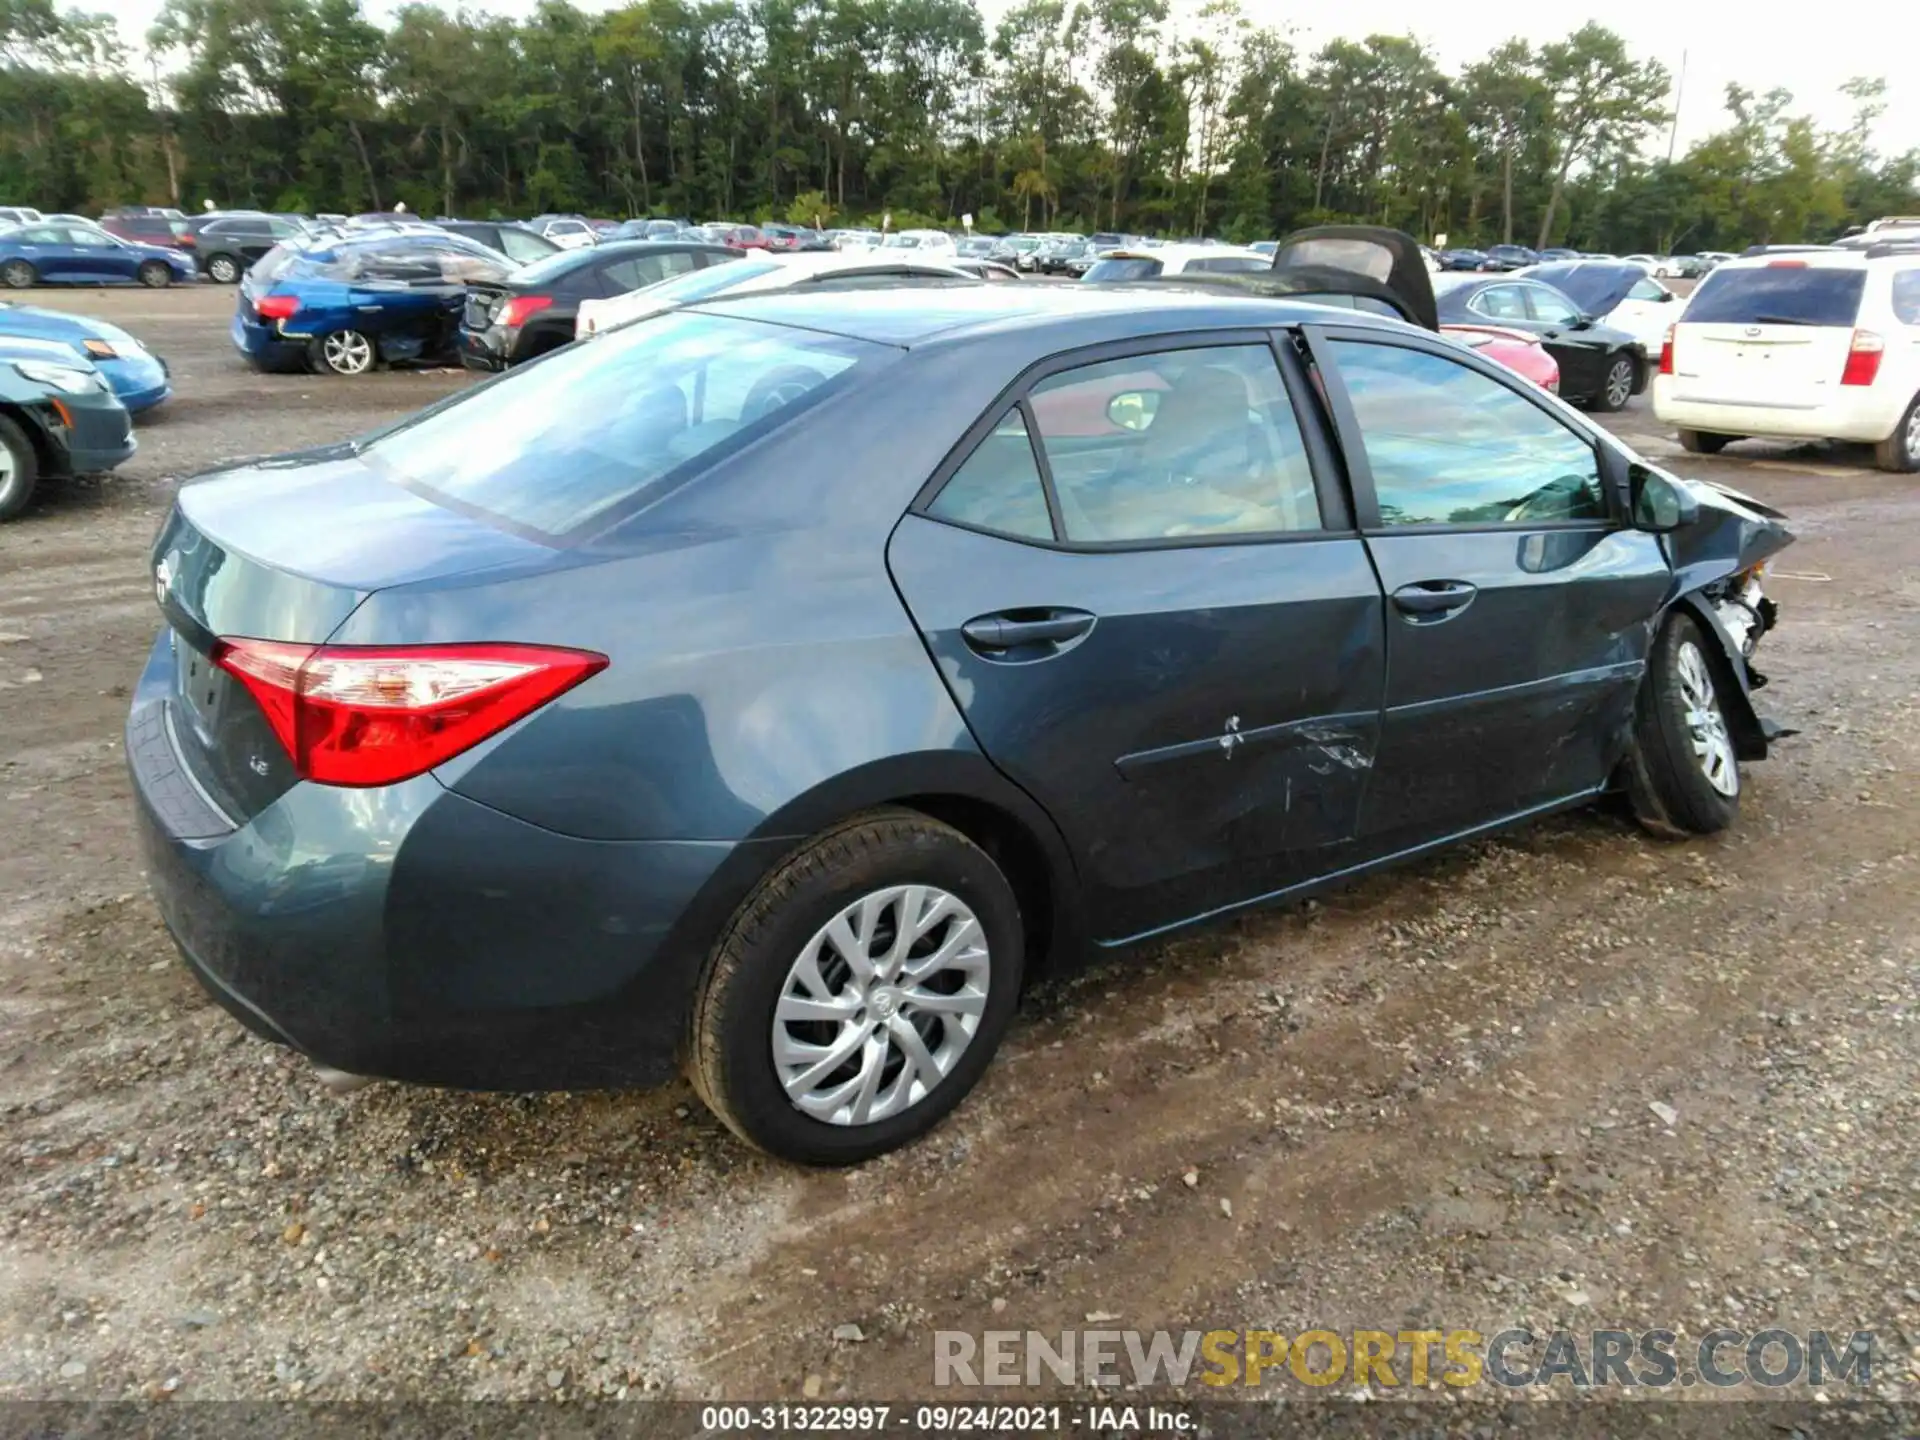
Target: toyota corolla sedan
(772, 688)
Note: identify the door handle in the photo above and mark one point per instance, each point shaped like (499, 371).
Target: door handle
(1026, 627)
(1433, 597)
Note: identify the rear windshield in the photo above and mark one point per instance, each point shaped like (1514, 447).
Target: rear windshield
(1128, 268)
(554, 264)
(1778, 295)
(1231, 265)
(593, 431)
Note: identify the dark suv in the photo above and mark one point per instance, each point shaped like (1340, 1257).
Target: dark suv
(225, 245)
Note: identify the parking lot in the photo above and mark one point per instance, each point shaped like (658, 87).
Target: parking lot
(1570, 1076)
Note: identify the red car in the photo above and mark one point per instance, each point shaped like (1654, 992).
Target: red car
(1518, 351)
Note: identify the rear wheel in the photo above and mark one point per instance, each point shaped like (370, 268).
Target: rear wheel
(859, 992)
(19, 274)
(344, 352)
(1683, 775)
(1701, 442)
(1618, 386)
(1900, 451)
(19, 469)
(155, 275)
(224, 269)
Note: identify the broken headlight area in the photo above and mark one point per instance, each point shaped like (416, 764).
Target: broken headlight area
(1743, 609)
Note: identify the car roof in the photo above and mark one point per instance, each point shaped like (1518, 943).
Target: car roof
(913, 315)
(1808, 259)
(1184, 252)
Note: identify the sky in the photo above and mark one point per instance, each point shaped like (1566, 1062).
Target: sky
(1809, 49)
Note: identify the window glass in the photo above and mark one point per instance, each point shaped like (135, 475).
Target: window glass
(1230, 265)
(640, 270)
(1182, 443)
(1121, 267)
(999, 487)
(1501, 302)
(593, 429)
(40, 235)
(1551, 306)
(1778, 293)
(522, 246)
(1906, 296)
(1449, 446)
(1645, 290)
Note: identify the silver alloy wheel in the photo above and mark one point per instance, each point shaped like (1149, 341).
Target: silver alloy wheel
(1913, 435)
(880, 1005)
(9, 470)
(1712, 745)
(1620, 384)
(347, 352)
(223, 270)
(19, 274)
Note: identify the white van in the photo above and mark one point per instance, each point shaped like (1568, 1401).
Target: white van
(1813, 344)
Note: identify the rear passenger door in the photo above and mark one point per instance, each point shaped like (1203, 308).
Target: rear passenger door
(1520, 603)
(635, 272)
(1141, 583)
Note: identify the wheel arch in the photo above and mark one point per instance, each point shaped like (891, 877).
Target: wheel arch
(52, 457)
(1731, 675)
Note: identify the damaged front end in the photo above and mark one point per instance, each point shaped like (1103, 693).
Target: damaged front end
(1719, 565)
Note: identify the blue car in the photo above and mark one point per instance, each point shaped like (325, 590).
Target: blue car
(57, 418)
(768, 687)
(344, 304)
(50, 254)
(137, 377)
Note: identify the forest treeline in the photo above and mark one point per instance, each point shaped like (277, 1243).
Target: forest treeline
(1066, 114)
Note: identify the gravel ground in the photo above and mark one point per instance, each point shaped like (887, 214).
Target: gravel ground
(1567, 1077)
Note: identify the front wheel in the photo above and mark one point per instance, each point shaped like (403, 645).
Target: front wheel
(19, 469)
(1702, 442)
(344, 352)
(859, 993)
(224, 270)
(1617, 388)
(1683, 774)
(155, 275)
(19, 274)
(1900, 451)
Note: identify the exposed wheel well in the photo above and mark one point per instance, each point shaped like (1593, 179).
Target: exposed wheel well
(1018, 854)
(51, 461)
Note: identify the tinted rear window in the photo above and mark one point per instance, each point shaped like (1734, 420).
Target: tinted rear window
(593, 431)
(1131, 268)
(1778, 295)
(552, 266)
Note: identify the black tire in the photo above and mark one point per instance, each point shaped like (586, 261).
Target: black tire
(730, 1048)
(1701, 442)
(1899, 453)
(1667, 777)
(19, 274)
(19, 469)
(225, 269)
(1619, 385)
(155, 275)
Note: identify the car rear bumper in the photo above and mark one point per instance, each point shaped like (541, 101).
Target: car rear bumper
(484, 349)
(140, 383)
(413, 934)
(263, 347)
(1866, 416)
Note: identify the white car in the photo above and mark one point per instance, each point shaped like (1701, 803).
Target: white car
(569, 234)
(1139, 262)
(1804, 345)
(1661, 267)
(1611, 294)
(927, 242)
(759, 273)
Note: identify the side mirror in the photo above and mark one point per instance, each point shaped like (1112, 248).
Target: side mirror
(1667, 296)
(1133, 409)
(1659, 505)
(1582, 322)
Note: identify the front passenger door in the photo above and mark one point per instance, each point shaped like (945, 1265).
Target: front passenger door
(1519, 603)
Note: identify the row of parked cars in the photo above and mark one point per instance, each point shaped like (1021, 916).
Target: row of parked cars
(1519, 257)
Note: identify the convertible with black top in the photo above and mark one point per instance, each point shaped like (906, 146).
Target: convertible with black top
(774, 687)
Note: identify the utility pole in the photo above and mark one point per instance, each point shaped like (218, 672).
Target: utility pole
(1679, 93)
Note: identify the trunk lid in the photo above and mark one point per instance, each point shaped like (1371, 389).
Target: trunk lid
(1773, 335)
(229, 563)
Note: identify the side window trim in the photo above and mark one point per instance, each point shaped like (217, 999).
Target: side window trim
(1317, 444)
(1353, 448)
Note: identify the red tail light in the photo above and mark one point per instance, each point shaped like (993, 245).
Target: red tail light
(276, 307)
(1863, 358)
(521, 308)
(186, 242)
(366, 715)
(1666, 351)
